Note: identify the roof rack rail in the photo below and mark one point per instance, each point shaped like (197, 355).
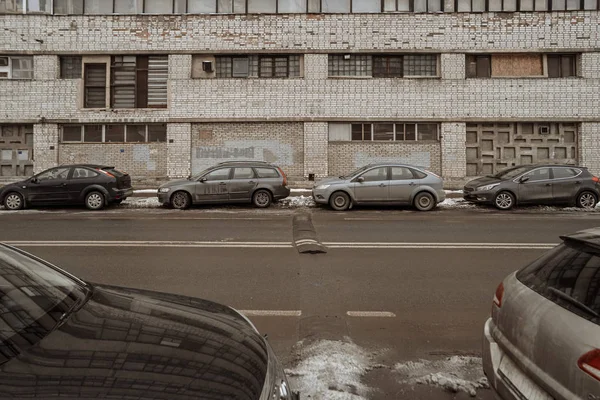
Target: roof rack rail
(243, 161)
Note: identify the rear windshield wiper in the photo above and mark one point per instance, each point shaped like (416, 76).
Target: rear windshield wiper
(573, 301)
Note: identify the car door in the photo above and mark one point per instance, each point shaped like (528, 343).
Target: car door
(372, 186)
(242, 184)
(49, 187)
(80, 179)
(566, 182)
(535, 186)
(402, 185)
(212, 187)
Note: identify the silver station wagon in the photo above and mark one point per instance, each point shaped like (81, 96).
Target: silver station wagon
(543, 339)
(382, 184)
(229, 182)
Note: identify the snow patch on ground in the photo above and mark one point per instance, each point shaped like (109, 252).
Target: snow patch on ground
(331, 370)
(451, 203)
(140, 202)
(301, 190)
(297, 201)
(454, 374)
(453, 191)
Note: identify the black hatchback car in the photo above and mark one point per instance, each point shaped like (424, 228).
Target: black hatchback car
(93, 185)
(536, 184)
(61, 337)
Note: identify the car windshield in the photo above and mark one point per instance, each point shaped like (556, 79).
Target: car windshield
(197, 176)
(358, 171)
(511, 173)
(34, 297)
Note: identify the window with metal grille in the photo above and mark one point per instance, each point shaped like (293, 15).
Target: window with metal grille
(420, 65)
(139, 81)
(70, 67)
(273, 67)
(389, 131)
(562, 65)
(387, 66)
(95, 86)
(350, 65)
(118, 133)
(236, 66)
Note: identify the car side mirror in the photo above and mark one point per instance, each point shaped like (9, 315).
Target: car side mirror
(360, 179)
(202, 180)
(34, 180)
(523, 179)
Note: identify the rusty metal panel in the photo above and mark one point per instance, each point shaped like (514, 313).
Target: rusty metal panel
(492, 147)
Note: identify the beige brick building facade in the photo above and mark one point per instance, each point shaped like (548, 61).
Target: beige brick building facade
(227, 96)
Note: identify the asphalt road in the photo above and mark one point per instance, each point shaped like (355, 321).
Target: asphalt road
(402, 285)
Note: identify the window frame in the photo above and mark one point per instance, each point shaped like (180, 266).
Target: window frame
(87, 86)
(9, 68)
(397, 134)
(104, 131)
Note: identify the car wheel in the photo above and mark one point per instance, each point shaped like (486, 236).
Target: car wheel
(94, 200)
(504, 201)
(13, 201)
(181, 200)
(424, 201)
(339, 201)
(586, 200)
(262, 198)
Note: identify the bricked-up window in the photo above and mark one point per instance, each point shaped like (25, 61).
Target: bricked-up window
(561, 65)
(350, 65)
(16, 67)
(139, 81)
(384, 131)
(113, 133)
(70, 67)
(95, 86)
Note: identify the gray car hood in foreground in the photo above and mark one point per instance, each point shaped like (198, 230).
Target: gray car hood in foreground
(128, 343)
(331, 181)
(484, 180)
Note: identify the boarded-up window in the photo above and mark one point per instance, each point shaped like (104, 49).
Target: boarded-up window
(339, 132)
(561, 65)
(125, 7)
(202, 6)
(366, 6)
(158, 6)
(139, 81)
(335, 6)
(95, 86)
(519, 65)
(262, 6)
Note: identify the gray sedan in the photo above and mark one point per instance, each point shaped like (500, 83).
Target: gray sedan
(535, 184)
(382, 184)
(543, 339)
(232, 182)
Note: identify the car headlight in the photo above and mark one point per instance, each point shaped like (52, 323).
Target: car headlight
(164, 190)
(487, 187)
(322, 187)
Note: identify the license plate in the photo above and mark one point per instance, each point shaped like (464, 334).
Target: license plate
(519, 382)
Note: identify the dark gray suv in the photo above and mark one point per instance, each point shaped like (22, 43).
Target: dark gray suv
(535, 184)
(228, 182)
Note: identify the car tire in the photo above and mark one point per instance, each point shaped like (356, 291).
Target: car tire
(424, 201)
(504, 201)
(181, 200)
(262, 198)
(587, 200)
(94, 200)
(14, 201)
(339, 201)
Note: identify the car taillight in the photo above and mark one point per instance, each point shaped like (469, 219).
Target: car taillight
(284, 177)
(104, 172)
(499, 294)
(590, 363)
(595, 179)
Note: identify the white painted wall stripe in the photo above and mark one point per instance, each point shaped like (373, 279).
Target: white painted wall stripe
(271, 313)
(376, 314)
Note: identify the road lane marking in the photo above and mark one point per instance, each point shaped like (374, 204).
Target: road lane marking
(376, 314)
(403, 245)
(271, 313)
(108, 243)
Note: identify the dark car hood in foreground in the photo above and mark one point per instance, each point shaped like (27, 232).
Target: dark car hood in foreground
(484, 180)
(127, 343)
